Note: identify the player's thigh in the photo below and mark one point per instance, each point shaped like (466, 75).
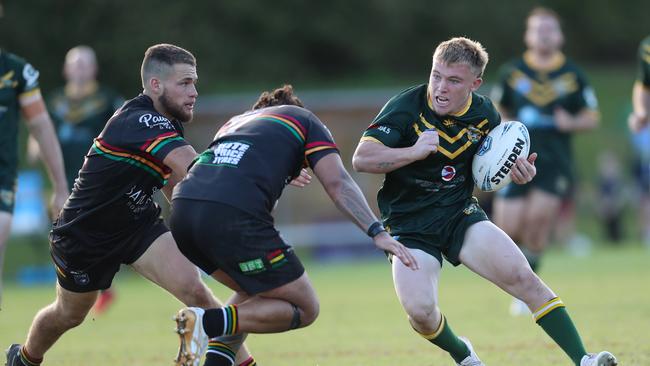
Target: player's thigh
(416, 289)
(489, 252)
(163, 264)
(508, 213)
(299, 292)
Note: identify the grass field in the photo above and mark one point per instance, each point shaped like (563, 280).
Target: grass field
(361, 322)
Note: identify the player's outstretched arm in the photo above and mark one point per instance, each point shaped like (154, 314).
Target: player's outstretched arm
(374, 157)
(41, 128)
(178, 160)
(348, 198)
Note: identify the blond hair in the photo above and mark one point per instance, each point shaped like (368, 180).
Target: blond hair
(461, 50)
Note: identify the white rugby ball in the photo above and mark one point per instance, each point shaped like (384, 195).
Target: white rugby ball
(497, 154)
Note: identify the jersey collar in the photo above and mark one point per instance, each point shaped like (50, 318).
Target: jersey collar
(556, 62)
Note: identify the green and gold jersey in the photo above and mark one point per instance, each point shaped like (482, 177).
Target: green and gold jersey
(531, 95)
(79, 120)
(17, 78)
(644, 62)
(443, 179)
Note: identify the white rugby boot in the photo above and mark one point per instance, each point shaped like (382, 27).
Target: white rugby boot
(472, 359)
(603, 358)
(194, 340)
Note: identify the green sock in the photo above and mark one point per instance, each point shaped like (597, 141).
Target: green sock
(445, 338)
(555, 320)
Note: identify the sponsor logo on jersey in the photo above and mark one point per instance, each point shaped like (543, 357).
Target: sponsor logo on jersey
(448, 173)
(152, 121)
(7, 197)
(384, 129)
(229, 153)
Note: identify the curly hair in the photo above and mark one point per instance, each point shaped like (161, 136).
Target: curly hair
(279, 96)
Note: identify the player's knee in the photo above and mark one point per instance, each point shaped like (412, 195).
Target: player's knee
(423, 316)
(309, 314)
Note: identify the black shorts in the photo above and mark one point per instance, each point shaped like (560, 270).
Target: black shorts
(219, 236)
(84, 267)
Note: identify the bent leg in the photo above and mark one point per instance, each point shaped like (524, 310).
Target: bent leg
(489, 252)
(66, 312)
(417, 291)
(163, 264)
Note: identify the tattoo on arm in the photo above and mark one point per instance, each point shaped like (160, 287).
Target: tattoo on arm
(385, 164)
(350, 200)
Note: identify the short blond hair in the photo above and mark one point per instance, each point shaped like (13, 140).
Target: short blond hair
(461, 50)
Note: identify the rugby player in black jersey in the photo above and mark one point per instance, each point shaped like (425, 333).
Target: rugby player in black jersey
(110, 218)
(221, 219)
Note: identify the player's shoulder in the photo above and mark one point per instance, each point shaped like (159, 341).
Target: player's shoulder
(139, 113)
(483, 108)
(405, 105)
(22, 69)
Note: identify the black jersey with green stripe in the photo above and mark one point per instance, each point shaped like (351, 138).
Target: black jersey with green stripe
(443, 179)
(644, 62)
(17, 78)
(531, 96)
(254, 156)
(123, 169)
(79, 120)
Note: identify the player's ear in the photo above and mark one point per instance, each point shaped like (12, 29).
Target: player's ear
(155, 85)
(476, 84)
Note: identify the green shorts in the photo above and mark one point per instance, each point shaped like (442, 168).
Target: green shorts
(448, 233)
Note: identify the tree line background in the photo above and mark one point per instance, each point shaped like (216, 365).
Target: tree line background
(244, 44)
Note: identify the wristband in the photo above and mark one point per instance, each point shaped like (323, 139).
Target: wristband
(375, 229)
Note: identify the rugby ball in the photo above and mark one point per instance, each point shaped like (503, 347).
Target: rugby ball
(497, 154)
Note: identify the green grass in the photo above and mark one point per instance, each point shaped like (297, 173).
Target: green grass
(362, 323)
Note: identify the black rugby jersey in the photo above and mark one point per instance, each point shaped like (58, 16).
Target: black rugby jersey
(254, 156)
(123, 169)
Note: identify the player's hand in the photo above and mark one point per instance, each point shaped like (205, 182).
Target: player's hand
(386, 243)
(524, 170)
(426, 144)
(302, 180)
(636, 122)
(57, 202)
(563, 119)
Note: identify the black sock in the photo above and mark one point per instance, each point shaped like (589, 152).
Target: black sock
(221, 321)
(219, 354)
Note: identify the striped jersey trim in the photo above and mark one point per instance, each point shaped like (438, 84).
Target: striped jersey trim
(30, 93)
(315, 146)
(290, 123)
(371, 139)
(549, 306)
(150, 165)
(152, 146)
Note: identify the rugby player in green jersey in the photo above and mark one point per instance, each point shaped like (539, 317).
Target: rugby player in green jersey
(640, 115)
(20, 93)
(552, 97)
(424, 140)
(79, 111)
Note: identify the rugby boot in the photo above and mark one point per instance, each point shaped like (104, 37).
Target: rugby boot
(193, 339)
(603, 358)
(472, 359)
(13, 356)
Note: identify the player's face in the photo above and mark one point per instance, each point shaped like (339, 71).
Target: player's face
(543, 34)
(80, 67)
(450, 86)
(179, 92)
